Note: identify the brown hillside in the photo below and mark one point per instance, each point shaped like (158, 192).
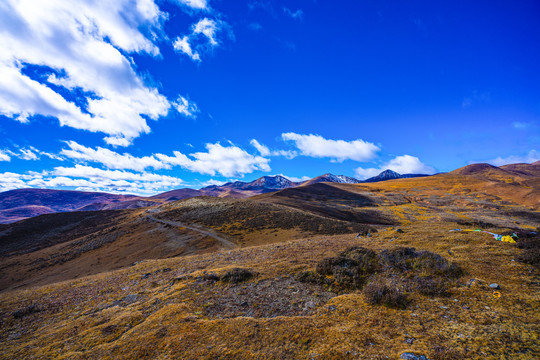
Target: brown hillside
(231, 278)
(532, 170)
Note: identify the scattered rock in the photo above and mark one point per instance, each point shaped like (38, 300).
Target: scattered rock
(409, 340)
(412, 356)
(309, 305)
(494, 286)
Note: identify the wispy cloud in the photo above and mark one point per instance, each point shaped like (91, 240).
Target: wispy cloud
(31, 153)
(87, 178)
(111, 159)
(476, 97)
(404, 164)
(4, 156)
(195, 4)
(522, 125)
(338, 150)
(255, 26)
(182, 45)
(185, 107)
(265, 151)
(229, 161)
(530, 157)
(297, 14)
(203, 38)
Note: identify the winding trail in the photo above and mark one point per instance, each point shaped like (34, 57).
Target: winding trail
(227, 244)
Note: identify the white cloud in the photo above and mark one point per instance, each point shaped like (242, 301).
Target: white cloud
(182, 45)
(208, 28)
(31, 153)
(185, 107)
(338, 150)
(192, 45)
(265, 151)
(531, 157)
(229, 161)
(28, 154)
(91, 179)
(81, 171)
(195, 4)
(4, 156)
(262, 149)
(10, 181)
(81, 45)
(111, 159)
(212, 182)
(404, 164)
(297, 15)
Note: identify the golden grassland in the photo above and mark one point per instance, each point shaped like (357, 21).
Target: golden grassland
(181, 307)
(162, 309)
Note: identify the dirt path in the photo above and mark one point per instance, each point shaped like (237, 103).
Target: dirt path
(227, 244)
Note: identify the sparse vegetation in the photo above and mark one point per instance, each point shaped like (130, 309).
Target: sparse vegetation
(237, 275)
(317, 296)
(30, 309)
(529, 243)
(388, 274)
(384, 291)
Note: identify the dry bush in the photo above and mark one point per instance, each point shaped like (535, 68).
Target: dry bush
(423, 272)
(237, 275)
(30, 309)
(424, 263)
(384, 291)
(351, 268)
(530, 244)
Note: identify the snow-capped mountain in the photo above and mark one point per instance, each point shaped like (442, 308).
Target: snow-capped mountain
(342, 179)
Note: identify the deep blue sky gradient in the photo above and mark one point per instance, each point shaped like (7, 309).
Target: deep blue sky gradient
(448, 82)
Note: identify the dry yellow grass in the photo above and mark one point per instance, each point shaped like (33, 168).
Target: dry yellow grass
(173, 308)
(154, 310)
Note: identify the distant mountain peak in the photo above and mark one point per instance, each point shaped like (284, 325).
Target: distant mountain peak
(328, 177)
(391, 175)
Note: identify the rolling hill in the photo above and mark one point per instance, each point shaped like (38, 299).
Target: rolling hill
(210, 277)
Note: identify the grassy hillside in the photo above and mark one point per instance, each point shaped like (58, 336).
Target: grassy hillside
(183, 308)
(284, 275)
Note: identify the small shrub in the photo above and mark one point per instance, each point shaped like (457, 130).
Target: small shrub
(329, 265)
(351, 269)
(399, 258)
(423, 263)
(382, 291)
(31, 309)
(237, 275)
(210, 277)
(430, 286)
(433, 264)
(310, 277)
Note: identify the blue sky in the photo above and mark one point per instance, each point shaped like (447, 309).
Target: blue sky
(143, 96)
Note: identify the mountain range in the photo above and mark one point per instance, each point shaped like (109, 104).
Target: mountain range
(19, 204)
